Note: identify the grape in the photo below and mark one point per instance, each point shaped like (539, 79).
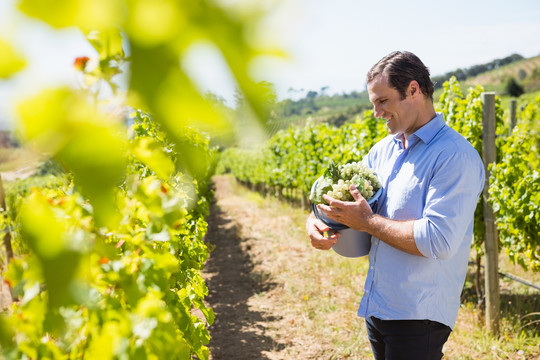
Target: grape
(338, 178)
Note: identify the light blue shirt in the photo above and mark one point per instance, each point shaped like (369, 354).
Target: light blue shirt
(436, 181)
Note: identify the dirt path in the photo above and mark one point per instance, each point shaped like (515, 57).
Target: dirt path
(266, 288)
(19, 173)
(240, 329)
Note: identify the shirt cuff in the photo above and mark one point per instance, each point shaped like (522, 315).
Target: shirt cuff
(421, 238)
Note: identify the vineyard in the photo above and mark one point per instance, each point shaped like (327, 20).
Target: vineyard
(291, 161)
(105, 244)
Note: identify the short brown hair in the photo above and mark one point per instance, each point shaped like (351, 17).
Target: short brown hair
(402, 67)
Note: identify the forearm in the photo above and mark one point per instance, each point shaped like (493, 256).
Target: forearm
(398, 234)
(359, 216)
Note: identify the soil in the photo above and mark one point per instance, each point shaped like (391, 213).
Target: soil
(5, 296)
(242, 323)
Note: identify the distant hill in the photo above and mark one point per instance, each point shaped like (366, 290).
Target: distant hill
(525, 71)
(475, 70)
(338, 109)
(335, 109)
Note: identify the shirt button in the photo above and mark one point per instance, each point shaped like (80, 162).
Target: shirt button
(371, 267)
(395, 171)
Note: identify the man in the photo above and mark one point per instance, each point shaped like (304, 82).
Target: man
(423, 225)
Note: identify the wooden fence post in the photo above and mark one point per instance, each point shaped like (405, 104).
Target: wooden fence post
(491, 236)
(512, 124)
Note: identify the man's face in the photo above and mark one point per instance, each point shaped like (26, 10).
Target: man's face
(387, 104)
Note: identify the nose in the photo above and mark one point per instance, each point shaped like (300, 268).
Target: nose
(378, 112)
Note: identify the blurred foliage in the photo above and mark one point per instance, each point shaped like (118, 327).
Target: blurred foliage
(124, 292)
(84, 140)
(110, 248)
(11, 60)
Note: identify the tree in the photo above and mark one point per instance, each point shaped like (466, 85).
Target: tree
(513, 88)
(323, 90)
(310, 97)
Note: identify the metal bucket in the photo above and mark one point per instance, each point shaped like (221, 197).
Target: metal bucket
(351, 243)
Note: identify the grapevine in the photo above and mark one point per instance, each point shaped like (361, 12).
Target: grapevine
(295, 158)
(514, 191)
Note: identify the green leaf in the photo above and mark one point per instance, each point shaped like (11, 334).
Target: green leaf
(323, 186)
(58, 261)
(95, 14)
(62, 123)
(151, 153)
(107, 43)
(151, 23)
(333, 171)
(10, 61)
(7, 333)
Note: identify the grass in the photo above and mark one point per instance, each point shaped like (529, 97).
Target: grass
(318, 292)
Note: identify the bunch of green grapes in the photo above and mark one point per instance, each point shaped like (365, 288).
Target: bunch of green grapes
(341, 191)
(337, 180)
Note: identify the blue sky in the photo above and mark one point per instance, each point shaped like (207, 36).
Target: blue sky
(334, 43)
(330, 43)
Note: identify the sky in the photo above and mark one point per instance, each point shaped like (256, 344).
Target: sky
(330, 43)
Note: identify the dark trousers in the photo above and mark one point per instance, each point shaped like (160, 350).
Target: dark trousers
(406, 339)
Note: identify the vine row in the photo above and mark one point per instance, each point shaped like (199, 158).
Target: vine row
(292, 159)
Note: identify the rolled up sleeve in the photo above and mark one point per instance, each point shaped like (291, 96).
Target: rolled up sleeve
(455, 185)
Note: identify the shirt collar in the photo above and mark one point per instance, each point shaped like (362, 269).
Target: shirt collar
(427, 132)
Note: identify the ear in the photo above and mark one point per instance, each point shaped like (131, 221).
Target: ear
(414, 89)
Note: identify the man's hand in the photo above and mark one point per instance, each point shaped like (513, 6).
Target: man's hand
(359, 216)
(315, 229)
(355, 215)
